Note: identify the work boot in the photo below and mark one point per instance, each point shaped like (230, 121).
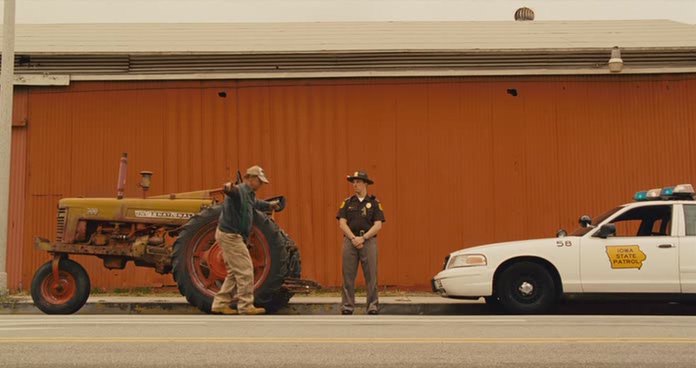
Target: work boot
(253, 311)
(224, 310)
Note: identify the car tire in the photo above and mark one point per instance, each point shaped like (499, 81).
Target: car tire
(526, 288)
(493, 303)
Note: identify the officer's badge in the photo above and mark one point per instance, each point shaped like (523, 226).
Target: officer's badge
(356, 174)
(369, 205)
(343, 204)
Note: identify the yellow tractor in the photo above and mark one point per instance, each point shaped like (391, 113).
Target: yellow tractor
(171, 233)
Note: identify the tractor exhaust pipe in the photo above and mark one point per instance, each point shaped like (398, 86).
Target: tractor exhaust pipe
(121, 185)
(145, 180)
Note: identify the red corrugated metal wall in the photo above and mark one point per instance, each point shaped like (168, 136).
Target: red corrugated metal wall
(15, 221)
(457, 162)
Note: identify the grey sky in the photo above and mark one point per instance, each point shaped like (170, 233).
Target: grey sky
(109, 11)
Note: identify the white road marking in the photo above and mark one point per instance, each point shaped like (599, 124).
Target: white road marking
(664, 321)
(348, 340)
(27, 328)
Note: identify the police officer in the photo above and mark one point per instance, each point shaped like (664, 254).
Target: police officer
(360, 218)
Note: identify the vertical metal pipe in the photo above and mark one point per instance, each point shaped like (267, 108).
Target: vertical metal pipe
(121, 185)
(6, 91)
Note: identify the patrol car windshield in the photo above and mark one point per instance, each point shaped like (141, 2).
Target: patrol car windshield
(595, 221)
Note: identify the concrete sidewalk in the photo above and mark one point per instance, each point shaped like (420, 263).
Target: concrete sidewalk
(305, 305)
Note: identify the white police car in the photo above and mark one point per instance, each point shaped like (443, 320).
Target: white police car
(642, 249)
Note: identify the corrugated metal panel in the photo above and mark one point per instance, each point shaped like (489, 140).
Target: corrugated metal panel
(457, 161)
(17, 207)
(349, 36)
(17, 189)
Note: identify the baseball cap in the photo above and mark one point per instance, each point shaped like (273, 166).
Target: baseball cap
(257, 171)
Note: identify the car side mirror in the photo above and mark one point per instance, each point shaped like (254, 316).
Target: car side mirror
(606, 231)
(585, 221)
(561, 233)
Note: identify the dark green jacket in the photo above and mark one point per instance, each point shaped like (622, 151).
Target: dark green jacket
(238, 210)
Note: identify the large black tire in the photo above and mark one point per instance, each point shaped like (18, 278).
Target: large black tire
(72, 294)
(268, 293)
(526, 288)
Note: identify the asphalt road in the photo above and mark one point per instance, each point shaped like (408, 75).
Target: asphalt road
(347, 341)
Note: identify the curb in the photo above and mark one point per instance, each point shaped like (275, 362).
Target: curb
(332, 307)
(297, 308)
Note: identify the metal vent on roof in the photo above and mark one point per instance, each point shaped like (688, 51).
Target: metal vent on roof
(524, 13)
(69, 64)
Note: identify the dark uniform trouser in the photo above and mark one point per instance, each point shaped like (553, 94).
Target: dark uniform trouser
(367, 257)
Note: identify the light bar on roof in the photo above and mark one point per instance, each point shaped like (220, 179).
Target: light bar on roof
(654, 193)
(683, 189)
(667, 192)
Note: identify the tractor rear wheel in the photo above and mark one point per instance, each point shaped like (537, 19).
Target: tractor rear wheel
(65, 295)
(199, 269)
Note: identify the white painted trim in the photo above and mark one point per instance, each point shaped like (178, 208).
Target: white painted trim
(41, 80)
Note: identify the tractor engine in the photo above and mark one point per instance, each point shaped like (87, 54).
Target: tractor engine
(119, 230)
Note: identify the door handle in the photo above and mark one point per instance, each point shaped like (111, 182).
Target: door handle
(665, 246)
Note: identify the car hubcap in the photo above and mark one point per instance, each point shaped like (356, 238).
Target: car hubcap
(59, 291)
(526, 288)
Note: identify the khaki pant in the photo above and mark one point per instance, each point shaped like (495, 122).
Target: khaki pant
(367, 257)
(240, 273)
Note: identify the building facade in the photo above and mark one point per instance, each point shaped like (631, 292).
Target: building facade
(466, 146)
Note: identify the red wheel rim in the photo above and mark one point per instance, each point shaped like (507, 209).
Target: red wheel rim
(206, 265)
(59, 292)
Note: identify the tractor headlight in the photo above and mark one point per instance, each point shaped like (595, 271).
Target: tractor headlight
(467, 260)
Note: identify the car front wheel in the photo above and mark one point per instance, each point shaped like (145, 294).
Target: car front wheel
(526, 288)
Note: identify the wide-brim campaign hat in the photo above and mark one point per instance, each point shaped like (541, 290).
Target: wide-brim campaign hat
(360, 175)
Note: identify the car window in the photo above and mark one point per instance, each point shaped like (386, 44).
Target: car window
(690, 217)
(645, 221)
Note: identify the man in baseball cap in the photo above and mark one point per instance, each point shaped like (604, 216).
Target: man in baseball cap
(233, 231)
(256, 171)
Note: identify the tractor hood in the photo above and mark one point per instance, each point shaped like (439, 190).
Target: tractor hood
(133, 209)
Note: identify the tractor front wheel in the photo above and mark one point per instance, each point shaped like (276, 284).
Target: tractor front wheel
(65, 294)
